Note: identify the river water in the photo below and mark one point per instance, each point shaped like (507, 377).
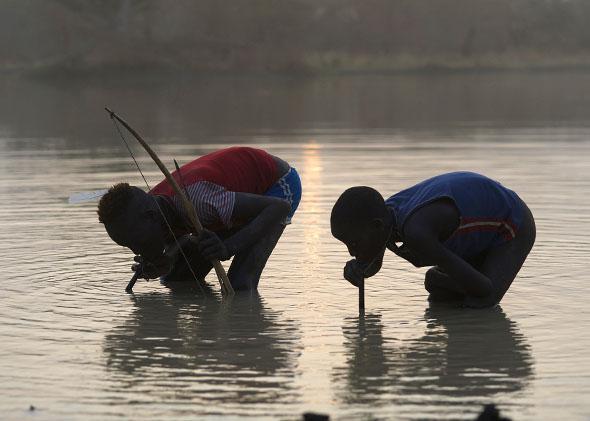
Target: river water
(75, 346)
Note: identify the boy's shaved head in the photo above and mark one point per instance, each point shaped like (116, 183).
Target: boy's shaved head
(356, 208)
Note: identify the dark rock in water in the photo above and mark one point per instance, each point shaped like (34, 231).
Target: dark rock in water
(310, 416)
(31, 408)
(491, 413)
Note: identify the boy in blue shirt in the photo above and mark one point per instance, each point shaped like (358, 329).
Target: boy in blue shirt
(474, 232)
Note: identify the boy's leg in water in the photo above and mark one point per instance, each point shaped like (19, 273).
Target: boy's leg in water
(181, 276)
(246, 268)
(244, 272)
(502, 263)
(440, 286)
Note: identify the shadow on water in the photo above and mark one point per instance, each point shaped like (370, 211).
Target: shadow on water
(466, 355)
(234, 352)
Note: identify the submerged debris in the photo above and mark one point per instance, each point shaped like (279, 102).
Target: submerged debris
(491, 413)
(310, 416)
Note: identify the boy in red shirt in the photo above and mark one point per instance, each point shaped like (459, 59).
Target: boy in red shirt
(244, 198)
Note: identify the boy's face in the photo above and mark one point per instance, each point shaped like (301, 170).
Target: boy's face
(141, 230)
(145, 236)
(365, 243)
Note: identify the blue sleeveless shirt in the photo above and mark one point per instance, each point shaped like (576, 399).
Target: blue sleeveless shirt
(490, 214)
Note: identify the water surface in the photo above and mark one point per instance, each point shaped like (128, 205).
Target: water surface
(75, 346)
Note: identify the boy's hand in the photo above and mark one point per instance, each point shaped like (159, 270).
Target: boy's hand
(405, 253)
(212, 247)
(151, 269)
(354, 272)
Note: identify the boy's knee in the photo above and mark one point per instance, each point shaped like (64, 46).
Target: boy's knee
(428, 283)
(434, 282)
(243, 283)
(432, 279)
(481, 302)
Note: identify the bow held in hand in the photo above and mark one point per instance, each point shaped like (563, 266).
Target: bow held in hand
(212, 247)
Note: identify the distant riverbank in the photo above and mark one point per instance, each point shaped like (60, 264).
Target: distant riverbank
(317, 64)
(71, 38)
(345, 63)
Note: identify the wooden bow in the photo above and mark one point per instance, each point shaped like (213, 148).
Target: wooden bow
(189, 208)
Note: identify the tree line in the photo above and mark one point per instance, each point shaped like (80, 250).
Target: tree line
(291, 35)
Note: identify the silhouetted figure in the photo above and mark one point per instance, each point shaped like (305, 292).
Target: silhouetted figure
(473, 232)
(244, 197)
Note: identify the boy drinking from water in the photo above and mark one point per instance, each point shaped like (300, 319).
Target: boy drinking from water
(474, 232)
(244, 198)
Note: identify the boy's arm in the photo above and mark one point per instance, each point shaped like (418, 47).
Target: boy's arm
(405, 253)
(422, 234)
(262, 212)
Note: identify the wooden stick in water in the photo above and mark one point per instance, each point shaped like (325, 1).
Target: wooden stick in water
(129, 288)
(362, 296)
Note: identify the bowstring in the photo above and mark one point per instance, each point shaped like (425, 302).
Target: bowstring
(158, 205)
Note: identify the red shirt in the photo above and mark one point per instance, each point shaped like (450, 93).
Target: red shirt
(212, 180)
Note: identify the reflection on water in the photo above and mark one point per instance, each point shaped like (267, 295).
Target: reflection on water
(220, 353)
(464, 356)
(485, 353)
